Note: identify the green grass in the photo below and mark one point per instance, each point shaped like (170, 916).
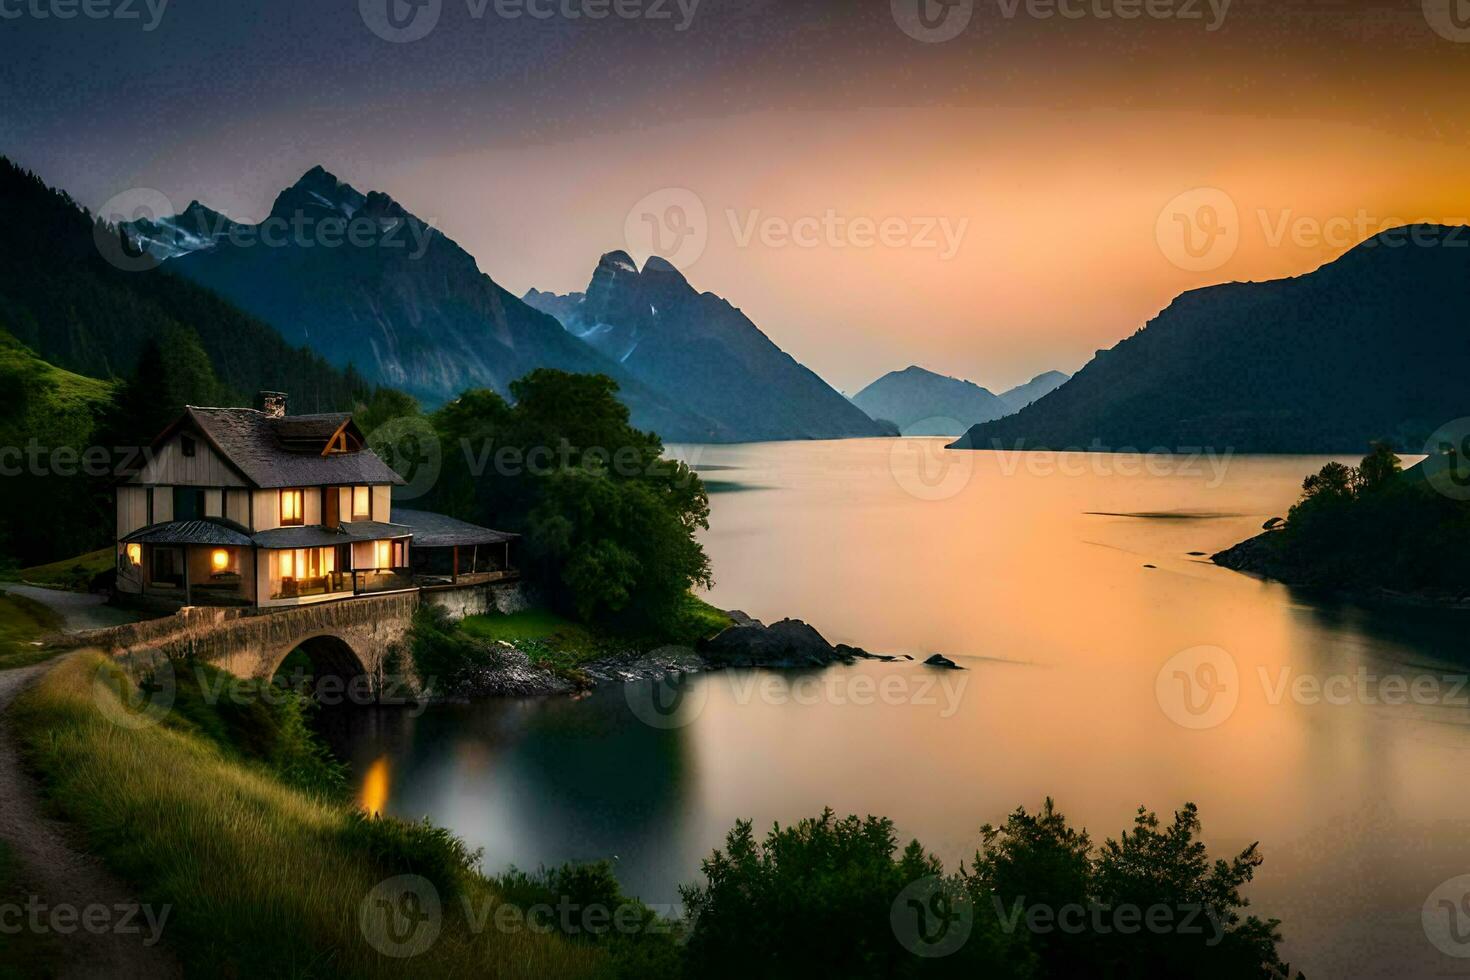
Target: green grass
(698, 620)
(68, 394)
(69, 573)
(562, 644)
(549, 640)
(532, 624)
(23, 622)
(24, 954)
(264, 879)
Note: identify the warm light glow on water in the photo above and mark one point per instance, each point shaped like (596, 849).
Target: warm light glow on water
(1028, 572)
(373, 796)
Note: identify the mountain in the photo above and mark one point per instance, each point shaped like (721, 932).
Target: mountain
(922, 403)
(699, 351)
(1371, 346)
(366, 283)
(67, 293)
(195, 229)
(1020, 396)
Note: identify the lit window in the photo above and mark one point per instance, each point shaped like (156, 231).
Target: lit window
(135, 554)
(385, 554)
(291, 512)
(288, 564)
(362, 503)
(219, 560)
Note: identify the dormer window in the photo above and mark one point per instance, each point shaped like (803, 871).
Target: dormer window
(291, 507)
(362, 503)
(186, 445)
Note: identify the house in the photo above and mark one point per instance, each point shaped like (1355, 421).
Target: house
(241, 506)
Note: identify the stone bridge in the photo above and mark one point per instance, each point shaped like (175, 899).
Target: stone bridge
(346, 638)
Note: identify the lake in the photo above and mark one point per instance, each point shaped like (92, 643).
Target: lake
(1335, 735)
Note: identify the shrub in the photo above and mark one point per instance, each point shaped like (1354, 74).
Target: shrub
(405, 847)
(258, 720)
(442, 653)
(584, 903)
(817, 899)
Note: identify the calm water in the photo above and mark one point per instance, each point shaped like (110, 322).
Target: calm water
(1030, 571)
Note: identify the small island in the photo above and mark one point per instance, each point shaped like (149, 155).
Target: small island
(1374, 530)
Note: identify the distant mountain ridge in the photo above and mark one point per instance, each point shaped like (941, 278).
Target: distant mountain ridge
(923, 403)
(701, 352)
(1022, 395)
(1371, 346)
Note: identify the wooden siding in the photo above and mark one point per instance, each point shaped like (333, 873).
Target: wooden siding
(237, 506)
(171, 467)
(132, 509)
(383, 504)
(163, 504)
(267, 506)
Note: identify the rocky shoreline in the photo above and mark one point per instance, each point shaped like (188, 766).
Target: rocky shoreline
(789, 643)
(1262, 557)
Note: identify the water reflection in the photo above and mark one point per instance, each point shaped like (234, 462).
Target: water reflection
(535, 781)
(1065, 592)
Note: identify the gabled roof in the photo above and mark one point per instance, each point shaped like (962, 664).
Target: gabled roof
(271, 451)
(437, 531)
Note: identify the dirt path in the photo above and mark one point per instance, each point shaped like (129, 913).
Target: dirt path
(79, 610)
(63, 876)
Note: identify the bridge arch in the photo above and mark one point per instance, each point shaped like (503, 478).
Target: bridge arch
(327, 653)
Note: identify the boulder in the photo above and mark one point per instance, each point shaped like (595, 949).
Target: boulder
(940, 660)
(788, 643)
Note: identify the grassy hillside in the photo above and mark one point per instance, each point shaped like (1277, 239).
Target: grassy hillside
(75, 573)
(22, 624)
(49, 505)
(264, 879)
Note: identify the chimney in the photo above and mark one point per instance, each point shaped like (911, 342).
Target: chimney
(272, 403)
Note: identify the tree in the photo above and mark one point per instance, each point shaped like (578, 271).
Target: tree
(610, 525)
(818, 898)
(1378, 469)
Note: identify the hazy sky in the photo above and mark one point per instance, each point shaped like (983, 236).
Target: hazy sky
(1003, 198)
